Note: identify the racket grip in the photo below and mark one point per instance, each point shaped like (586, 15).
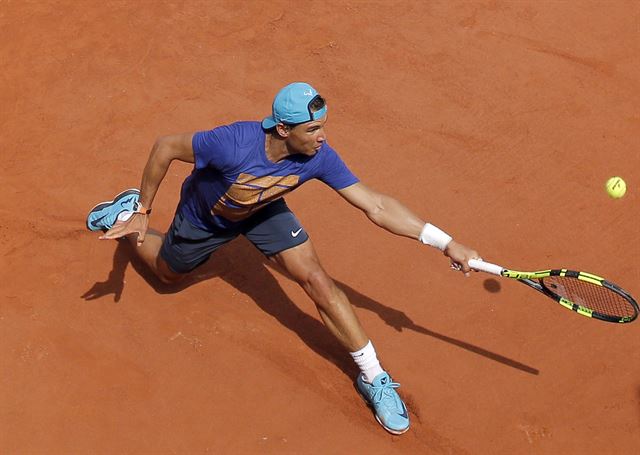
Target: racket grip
(487, 267)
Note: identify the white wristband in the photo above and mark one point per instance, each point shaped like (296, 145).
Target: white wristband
(434, 237)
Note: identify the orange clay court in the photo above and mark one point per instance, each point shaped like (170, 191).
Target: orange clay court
(498, 121)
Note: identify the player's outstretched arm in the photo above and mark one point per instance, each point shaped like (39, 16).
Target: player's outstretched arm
(165, 150)
(390, 214)
(383, 210)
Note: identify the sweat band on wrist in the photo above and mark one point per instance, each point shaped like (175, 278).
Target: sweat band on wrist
(434, 237)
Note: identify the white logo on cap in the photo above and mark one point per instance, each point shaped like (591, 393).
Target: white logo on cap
(308, 93)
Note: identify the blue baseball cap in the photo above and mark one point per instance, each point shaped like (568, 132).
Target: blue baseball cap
(292, 106)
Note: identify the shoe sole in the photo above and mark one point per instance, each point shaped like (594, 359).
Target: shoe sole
(104, 204)
(370, 406)
(396, 432)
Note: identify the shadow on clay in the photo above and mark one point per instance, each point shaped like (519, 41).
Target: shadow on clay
(492, 286)
(243, 267)
(246, 269)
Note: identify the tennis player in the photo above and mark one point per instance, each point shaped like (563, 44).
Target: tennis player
(241, 173)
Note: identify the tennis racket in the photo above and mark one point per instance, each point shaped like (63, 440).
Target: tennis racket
(584, 293)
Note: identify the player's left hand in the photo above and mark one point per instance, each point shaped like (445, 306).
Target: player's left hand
(459, 256)
(138, 223)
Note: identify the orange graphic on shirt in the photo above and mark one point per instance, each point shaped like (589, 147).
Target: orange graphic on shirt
(249, 193)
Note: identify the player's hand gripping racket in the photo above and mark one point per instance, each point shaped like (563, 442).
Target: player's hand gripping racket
(584, 293)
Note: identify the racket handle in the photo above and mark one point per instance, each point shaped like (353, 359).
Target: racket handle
(487, 267)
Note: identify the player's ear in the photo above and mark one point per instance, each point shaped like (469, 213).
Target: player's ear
(283, 130)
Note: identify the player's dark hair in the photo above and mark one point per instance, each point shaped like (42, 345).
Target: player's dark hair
(316, 104)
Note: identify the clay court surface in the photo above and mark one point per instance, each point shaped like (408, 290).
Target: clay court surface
(498, 121)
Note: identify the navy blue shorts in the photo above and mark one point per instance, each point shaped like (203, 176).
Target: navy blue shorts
(272, 229)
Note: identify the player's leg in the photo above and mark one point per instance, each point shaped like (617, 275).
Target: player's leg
(182, 249)
(149, 253)
(169, 256)
(276, 232)
(302, 264)
(279, 235)
(105, 214)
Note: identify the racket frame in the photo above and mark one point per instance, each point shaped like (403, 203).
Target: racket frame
(533, 280)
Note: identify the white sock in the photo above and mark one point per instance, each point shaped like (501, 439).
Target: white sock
(367, 360)
(124, 216)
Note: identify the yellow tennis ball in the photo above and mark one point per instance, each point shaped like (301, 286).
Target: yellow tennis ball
(616, 187)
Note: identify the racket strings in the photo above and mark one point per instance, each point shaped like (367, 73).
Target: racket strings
(595, 297)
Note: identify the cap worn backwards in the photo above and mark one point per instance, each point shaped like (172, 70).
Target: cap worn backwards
(292, 106)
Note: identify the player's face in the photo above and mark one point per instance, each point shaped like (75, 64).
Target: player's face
(307, 138)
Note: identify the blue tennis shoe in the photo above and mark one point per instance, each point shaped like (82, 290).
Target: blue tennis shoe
(104, 215)
(389, 408)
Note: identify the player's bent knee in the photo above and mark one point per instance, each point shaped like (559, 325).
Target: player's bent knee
(165, 274)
